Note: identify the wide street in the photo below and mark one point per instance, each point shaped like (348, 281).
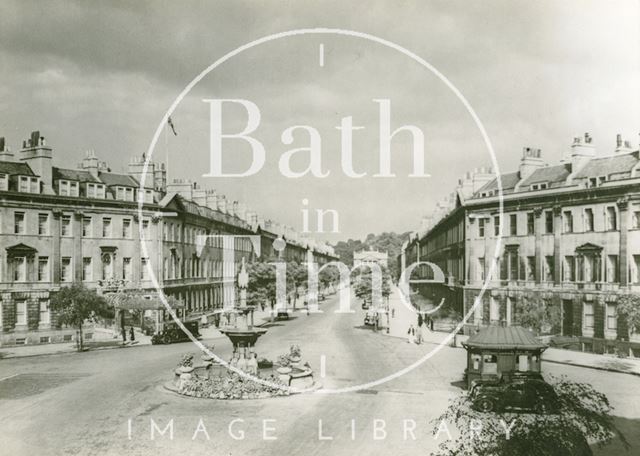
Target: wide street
(82, 403)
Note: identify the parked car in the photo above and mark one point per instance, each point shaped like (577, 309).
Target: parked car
(282, 314)
(370, 318)
(174, 333)
(526, 394)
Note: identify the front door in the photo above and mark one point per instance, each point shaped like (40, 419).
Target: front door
(567, 317)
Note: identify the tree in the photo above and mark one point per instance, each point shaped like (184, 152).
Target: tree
(262, 284)
(628, 309)
(534, 315)
(297, 276)
(76, 304)
(389, 242)
(364, 284)
(328, 277)
(584, 415)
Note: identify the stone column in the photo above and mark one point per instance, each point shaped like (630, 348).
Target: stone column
(77, 244)
(57, 215)
(539, 227)
(155, 230)
(470, 253)
(136, 266)
(557, 238)
(623, 258)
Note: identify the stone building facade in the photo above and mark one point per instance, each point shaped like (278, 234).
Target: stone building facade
(564, 250)
(61, 226)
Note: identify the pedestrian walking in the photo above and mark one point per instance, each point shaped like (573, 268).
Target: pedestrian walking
(411, 333)
(124, 335)
(420, 333)
(132, 335)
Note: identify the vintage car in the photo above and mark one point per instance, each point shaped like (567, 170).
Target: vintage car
(524, 394)
(174, 333)
(370, 317)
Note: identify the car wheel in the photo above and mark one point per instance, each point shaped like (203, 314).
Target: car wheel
(486, 405)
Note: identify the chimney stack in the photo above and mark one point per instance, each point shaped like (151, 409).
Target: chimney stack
(91, 163)
(622, 147)
(481, 177)
(5, 151)
(199, 195)
(135, 169)
(182, 187)
(530, 162)
(222, 204)
(160, 178)
(211, 199)
(582, 151)
(38, 156)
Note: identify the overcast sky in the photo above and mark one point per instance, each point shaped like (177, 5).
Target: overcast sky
(100, 75)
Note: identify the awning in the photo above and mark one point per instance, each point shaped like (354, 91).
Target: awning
(504, 338)
(140, 301)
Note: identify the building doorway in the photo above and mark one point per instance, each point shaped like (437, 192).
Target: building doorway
(567, 317)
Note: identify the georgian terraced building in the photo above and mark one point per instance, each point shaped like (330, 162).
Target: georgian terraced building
(59, 226)
(570, 245)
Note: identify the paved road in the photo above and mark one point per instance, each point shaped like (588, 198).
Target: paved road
(81, 403)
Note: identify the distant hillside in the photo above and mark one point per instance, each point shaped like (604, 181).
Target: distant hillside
(385, 242)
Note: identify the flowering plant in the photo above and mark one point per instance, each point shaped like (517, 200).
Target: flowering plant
(186, 361)
(294, 351)
(284, 361)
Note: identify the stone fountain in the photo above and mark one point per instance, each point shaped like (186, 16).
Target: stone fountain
(289, 375)
(243, 335)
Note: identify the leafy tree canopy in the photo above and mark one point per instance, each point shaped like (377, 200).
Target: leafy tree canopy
(584, 416)
(629, 308)
(76, 304)
(389, 242)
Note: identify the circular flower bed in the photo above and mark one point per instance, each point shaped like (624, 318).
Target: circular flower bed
(231, 386)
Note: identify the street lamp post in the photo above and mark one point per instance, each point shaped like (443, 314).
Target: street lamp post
(243, 283)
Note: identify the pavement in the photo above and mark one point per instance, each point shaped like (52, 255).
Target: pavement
(403, 317)
(111, 402)
(608, 363)
(611, 363)
(261, 318)
(22, 351)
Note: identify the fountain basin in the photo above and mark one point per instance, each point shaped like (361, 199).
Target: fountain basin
(243, 337)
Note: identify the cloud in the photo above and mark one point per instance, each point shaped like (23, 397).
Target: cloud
(100, 75)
